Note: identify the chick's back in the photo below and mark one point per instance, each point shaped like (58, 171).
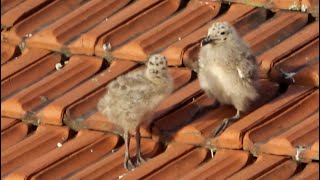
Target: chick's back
(131, 98)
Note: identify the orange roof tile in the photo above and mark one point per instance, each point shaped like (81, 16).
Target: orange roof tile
(56, 62)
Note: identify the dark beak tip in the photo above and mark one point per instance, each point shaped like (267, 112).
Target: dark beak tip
(205, 41)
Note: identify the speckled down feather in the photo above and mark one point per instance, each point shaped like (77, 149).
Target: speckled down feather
(132, 98)
(227, 69)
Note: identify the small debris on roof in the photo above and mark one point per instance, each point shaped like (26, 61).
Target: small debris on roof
(43, 99)
(288, 75)
(113, 150)
(300, 149)
(22, 46)
(61, 65)
(121, 176)
(186, 49)
(304, 8)
(58, 66)
(59, 144)
(94, 79)
(294, 6)
(28, 35)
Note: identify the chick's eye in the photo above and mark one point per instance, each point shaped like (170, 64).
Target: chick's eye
(222, 33)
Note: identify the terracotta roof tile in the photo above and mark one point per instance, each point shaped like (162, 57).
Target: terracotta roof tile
(68, 151)
(178, 168)
(42, 141)
(297, 61)
(22, 79)
(57, 35)
(311, 171)
(311, 153)
(40, 19)
(82, 158)
(194, 132)
(27, 57)
(282, 171)
(45, 88)
(309, 75)
(7, 122)
(284, 48)
(8, 4)
(275, 30)
(263, 164)
(188, 20)
(311, 6)
(250, 21)
(199, 131)
(185, 95)
(223, 164)
(27, 102)
(13, 135)
(232, 137)
(283, 133)
(172, 152)
(7, 52)
(272, 4)
(129, 22)
(112, 166)
(24, 9)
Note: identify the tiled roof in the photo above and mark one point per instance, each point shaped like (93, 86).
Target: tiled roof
(58, 55)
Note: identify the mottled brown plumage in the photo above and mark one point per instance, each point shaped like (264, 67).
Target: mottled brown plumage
(132, 98)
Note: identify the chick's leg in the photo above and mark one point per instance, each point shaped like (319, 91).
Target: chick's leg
(140, 160)
(127, 162)
(225, 123)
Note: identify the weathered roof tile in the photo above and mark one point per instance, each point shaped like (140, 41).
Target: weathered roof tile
(170, 31)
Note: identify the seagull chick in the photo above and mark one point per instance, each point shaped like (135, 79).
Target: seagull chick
(227, 70)
(132, 98)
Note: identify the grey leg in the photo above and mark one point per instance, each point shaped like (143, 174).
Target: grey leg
(225, 123)
(140, 160)
(127, 162)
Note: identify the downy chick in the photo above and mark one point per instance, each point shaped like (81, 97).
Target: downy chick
(227, 70)
(132, 98)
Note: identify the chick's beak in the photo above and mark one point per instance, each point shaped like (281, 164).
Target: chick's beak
(206, 41)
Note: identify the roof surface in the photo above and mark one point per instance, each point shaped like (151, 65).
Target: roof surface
(58, 55)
